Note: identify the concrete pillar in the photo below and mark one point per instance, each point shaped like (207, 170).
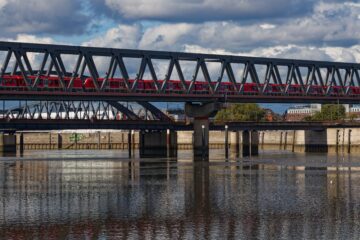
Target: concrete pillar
(201, 139)
(21, 143)
(171, 142)
(130, 143)
(7, 143)
(293, 141)
(109, 140)
(157, 144)
(250, 143)
(201, 114)
(316, 141)
(349, 141)
(235, 143)
(313, 141)
(59, 141)
(76, 140)
(99, 139)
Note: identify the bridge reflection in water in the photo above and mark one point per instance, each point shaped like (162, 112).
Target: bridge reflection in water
(171, 199)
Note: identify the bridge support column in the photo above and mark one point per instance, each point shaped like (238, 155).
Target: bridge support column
(129, 142)
(21, 143)
(59, 141)
(201, 139)
(158, 144)
(201, 114)
(235, 143)
(312, 141)
(7, 143)
(250, 143)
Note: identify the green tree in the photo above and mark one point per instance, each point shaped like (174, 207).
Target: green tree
(329, 112)
(241, 112)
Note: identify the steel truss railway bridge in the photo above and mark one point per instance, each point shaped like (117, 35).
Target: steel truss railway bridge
(65, 86)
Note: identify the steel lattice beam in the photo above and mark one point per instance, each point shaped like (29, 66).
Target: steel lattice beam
(55, 72)
(82, 110)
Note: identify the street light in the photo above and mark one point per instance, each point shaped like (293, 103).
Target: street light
(226, 142)
(203, 141)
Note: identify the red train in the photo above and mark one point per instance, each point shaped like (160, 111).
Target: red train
(51, 83)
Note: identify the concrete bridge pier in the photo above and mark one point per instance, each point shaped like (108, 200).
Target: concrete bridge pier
(59, 141)
(158, 144)
(21, 143)
(315, 141)
(234, 144)
(249, 143)
(7, 143)
(201, 114)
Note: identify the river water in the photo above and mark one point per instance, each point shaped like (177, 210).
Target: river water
(105, 195)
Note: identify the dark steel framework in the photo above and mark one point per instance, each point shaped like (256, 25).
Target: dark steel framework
(269, 79)
(83, 110)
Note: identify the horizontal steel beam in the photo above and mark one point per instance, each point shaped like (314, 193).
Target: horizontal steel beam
(23, 124)
(65, 49)
(8, 95)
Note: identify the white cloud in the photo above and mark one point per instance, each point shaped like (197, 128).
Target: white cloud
(3, 3)
(330, 24)
(338, 54)
(122, 36)
(267, 26)
(30, 39)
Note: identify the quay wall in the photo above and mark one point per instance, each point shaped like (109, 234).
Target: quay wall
(329, 140)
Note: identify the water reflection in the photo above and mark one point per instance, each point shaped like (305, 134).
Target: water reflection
(166, 198)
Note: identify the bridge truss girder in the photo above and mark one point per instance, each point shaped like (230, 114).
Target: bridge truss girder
(84, 78)
(81, 110)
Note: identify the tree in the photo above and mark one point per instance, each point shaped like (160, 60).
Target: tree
(241, 112)
(329, 112)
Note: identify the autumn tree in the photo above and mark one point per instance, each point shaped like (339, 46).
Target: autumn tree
(241, 112)
(329, 112)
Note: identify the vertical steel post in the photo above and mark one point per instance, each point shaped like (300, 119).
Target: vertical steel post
(285, 140)
(50, 142)
(293, 141)
(337, 140)
(168, 143)
(76, 141)
(250, 143)
(226, 142)
(21, 142)
(349, 141)
(59, 141)
(109, 140)
(203, 142)
(129, 143)
(99, 140)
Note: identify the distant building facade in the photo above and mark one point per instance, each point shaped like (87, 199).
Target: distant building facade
(299, 112)
(178, 115)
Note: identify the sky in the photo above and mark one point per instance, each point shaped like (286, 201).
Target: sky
(300, 29)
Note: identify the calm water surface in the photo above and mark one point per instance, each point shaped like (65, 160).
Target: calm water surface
(105, 195)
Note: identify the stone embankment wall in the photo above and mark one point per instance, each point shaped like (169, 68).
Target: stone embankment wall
(78, 140)
(330, 140)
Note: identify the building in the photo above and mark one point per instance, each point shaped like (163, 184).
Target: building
(299, 112)
(178, 115)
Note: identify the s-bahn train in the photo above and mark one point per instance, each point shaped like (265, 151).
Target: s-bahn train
(52, 83)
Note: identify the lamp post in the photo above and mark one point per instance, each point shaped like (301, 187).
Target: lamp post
(203, 141)
(226, 142)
